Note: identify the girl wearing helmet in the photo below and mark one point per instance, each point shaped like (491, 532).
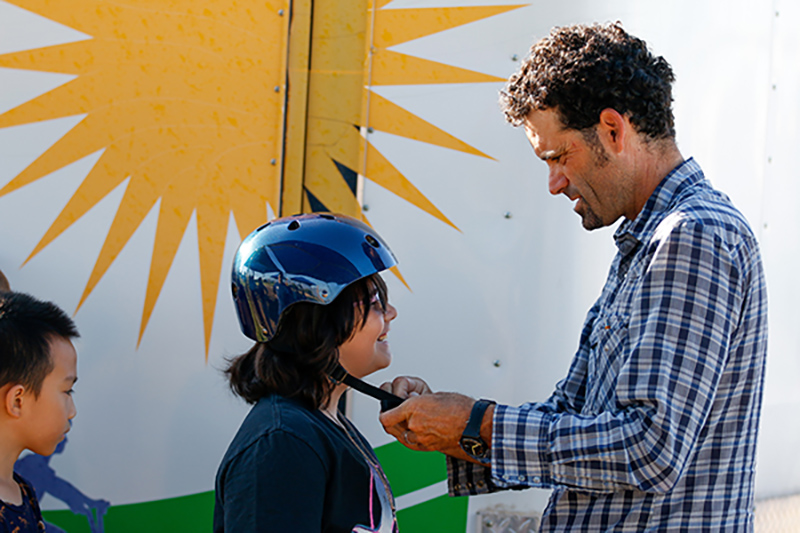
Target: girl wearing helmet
(307, 290)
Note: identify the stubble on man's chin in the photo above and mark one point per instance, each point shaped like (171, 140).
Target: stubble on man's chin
(590, 220)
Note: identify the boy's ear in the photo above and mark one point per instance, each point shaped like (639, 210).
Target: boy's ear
(13, 400)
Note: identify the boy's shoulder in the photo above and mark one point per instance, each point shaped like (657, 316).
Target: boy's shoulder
(23, 518)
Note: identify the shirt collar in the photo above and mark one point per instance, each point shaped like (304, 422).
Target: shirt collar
(631, 232)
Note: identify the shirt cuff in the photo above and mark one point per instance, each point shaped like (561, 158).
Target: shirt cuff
(521, 447)
(465, 478)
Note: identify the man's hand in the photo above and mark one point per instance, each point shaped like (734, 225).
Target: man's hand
(406, 387)
(432, 421)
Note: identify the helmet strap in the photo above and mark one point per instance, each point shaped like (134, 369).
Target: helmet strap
(387, 399)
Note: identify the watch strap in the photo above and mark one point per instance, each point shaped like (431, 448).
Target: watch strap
(475, 421)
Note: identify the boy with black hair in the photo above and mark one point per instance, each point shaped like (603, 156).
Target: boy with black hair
(38, 367)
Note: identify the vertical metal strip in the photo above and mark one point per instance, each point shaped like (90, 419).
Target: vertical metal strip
(299, 60)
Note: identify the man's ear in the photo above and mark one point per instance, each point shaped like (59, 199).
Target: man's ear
(613, 129)
(14, 398)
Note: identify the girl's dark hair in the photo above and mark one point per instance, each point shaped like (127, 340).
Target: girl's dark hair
(297, 361)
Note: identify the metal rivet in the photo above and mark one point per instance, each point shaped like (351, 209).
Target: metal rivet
(273, 161)
(365, 208)
(769, 159)
(277, 88)
(508, 214)
(370, 130)
(280, 12)
(496, 362)
(515, 57)
(774, 86)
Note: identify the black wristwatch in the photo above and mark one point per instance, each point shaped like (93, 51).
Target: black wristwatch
(471, 441)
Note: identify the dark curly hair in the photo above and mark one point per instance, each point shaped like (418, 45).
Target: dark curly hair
(580, 70)
(297, 361)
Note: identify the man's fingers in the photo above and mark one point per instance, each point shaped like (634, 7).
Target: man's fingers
(406, 386)
(394, 417)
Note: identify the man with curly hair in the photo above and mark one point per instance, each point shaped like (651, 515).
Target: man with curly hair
(654, 427)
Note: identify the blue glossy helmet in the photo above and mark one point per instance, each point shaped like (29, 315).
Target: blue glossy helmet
(301, 258)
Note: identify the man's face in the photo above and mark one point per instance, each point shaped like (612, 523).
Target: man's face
(580, 169)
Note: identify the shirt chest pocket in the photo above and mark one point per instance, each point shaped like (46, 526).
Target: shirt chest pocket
(609, 348)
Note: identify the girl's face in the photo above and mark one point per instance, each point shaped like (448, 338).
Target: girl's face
(368, 349)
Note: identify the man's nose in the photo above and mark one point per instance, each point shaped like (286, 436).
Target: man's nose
(557, 181)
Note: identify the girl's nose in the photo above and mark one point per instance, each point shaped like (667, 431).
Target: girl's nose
(390, 313)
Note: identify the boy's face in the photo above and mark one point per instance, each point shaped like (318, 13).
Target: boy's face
(50, 413)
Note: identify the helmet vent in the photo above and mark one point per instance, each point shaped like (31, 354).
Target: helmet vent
(329, 217)
(294, 225)
(235, 291)
(372, 241)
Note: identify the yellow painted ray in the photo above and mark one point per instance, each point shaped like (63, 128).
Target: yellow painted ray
(212, 228)
(382, 172)
(79, 142)
(329, 186)
(227, 189)
(159, 19)
(177, 206)
(394, 269)
(393, 68)
(390, 118)
(139, 198)
(397, 26)
(51, 58)
(104, 177)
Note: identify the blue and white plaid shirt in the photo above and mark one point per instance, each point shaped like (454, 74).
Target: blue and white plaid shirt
(654, 427)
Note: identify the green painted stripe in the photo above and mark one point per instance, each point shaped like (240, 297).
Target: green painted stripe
(409, 470)
(189, 514)
(439, 515)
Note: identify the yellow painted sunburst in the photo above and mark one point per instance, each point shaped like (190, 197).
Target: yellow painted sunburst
(187, 100)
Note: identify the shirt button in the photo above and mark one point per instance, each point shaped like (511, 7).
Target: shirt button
(469, 485)
(537, 479)
(480, 484)
(457, 486)
(522, 478)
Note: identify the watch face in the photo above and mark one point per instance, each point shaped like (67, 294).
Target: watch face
(473, 446)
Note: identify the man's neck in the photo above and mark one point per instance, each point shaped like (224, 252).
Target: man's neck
(661, 158)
